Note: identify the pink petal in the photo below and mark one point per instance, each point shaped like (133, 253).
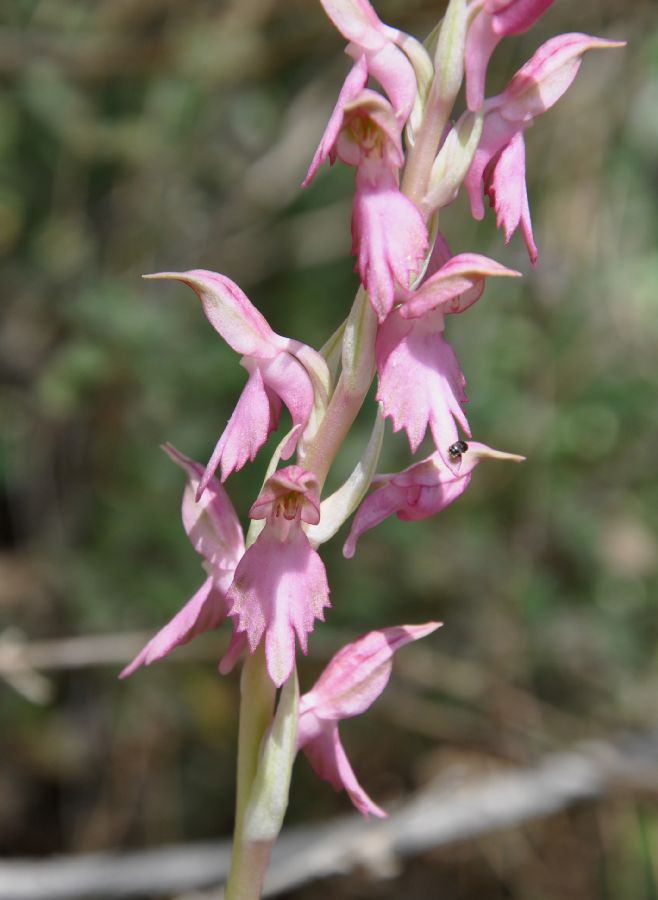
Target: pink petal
(420, 381)
(207, 609)
(355, 81)
(389, 239)
(293, 480)
(327, 756)
(279, 589)
(496, 134)
(211, 523)
(509, 195)
(255, 416)
(371, 129)
(287, 378)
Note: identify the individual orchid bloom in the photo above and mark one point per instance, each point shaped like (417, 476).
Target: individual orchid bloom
(491, 21)
(351, 683)
(214, 531)
(499, 161)
(276, 374)
(420, 381)
(389, 236)
(422, 490)
(280, 585)
(375, 43)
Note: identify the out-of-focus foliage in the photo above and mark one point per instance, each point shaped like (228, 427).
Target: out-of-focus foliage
(140, 135)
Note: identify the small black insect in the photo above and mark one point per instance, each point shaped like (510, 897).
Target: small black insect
(455, 450)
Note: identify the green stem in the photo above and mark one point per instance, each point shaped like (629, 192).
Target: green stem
(421, 156)
(352, 388)
(257, 694)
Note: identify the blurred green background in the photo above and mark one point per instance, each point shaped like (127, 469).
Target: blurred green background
(142, 135)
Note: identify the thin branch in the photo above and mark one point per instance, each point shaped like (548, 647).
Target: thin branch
(455, 808)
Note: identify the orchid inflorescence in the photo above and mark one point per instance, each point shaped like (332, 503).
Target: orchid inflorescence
(411, 154)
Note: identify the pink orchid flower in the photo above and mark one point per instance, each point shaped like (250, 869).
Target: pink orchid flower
(276, 375)
(389, 236)
(422, 490)
(280, 585)
(494, 20)
(420, 380)
(215, 533)
(351, 683)
(375, 43)
(499, 161)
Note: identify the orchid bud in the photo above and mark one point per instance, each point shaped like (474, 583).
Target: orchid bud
(449, 57)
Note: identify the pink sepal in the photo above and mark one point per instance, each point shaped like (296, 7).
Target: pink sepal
(357, 21)
(547, 75)
(353, 84)
(420, 381)
(391, 68)
(231, 313)
(349, 685)
(275, 374)
(211, 523)
(214, 531)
